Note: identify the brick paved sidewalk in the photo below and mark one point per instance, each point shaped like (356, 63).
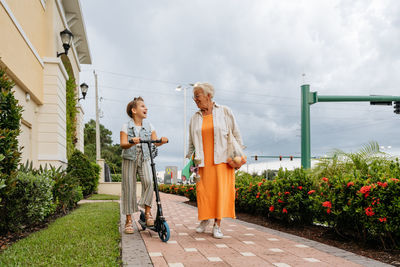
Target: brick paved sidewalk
(244, 244)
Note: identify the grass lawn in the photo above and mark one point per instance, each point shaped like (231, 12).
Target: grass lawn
(103, 197)
(89, 236)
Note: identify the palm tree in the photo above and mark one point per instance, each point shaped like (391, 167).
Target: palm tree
(340, 162)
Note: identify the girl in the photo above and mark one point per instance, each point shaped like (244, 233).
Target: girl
(136, 161)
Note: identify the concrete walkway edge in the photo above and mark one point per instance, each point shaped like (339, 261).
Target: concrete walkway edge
(134, 251)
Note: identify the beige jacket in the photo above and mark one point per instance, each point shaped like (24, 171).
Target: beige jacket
(220, 135)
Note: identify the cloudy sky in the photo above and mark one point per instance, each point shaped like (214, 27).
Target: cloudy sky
(257, 54)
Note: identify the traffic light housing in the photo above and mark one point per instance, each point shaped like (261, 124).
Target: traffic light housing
(291, 158)
(255, 157)
(397, 107)
(280, 158)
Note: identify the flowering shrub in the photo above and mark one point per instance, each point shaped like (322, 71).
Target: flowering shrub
(284, 198)
(188, 191)
(366, 207)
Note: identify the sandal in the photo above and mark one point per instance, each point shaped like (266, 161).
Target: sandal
(129, 227)
(149, 219)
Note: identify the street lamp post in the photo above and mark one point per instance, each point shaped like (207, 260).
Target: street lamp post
(181, 88)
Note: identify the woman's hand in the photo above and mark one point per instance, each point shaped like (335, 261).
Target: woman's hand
(136, 140)
(236, 162)
(164, 140)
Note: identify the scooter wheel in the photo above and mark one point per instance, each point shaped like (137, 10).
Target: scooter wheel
(163, 233)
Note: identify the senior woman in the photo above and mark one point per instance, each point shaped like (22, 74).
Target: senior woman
(208, 140)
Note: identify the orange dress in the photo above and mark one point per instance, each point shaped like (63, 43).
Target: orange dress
(216, 189)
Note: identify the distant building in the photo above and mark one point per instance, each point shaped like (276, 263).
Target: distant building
(30, 33)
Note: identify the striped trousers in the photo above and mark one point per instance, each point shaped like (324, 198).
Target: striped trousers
(130, 169)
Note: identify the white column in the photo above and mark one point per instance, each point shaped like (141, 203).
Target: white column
(52, 137)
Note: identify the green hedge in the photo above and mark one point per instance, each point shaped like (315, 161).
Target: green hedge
(284, 198)
(117, 177)
(188, 191)
(29, 202)
(87, 173)
(67, 192)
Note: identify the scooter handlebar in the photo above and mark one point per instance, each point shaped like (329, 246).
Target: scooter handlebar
(147, 141)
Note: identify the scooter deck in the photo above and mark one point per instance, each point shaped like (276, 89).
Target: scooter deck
(145, 227)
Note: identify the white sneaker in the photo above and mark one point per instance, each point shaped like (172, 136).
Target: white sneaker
(202, 226)
(217, 232)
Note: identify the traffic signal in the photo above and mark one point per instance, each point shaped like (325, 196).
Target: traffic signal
(255, 157)
(291, 158)
(397, 107)
(280, 158)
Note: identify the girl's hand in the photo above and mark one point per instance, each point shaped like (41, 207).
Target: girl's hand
(164, 140)
(136, 140)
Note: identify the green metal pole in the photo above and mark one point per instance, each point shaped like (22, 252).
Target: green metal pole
(338, 98)
(305, 127)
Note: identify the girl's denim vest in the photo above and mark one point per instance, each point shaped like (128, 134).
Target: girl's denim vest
(144, 134)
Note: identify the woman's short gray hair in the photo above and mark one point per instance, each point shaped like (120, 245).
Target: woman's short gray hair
(207, 88)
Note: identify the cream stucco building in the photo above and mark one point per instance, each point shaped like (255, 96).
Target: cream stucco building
(30, 39)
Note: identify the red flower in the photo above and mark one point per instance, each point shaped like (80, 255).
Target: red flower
(287, 193)
(284, 210)
(191, 188)
(350, 184)
(279, 193)
(325, 179)
(382, 219)
(384, 185)
(280, 201)
(271, 209)
(327, 204)
(311, 191)
(394, 179)
(365, 190)
(258, 195)
(260, 183)
(328, 211)
(369, 211)
(300, 187)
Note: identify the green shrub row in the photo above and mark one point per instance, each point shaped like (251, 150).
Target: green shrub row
(29, 201)
(116, 177)
(37, 194)
(188, 191)
(86, 172)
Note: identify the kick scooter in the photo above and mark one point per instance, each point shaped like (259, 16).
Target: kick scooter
(160, 224)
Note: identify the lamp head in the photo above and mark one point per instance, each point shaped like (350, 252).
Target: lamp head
(66, 39)
(84, 89)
